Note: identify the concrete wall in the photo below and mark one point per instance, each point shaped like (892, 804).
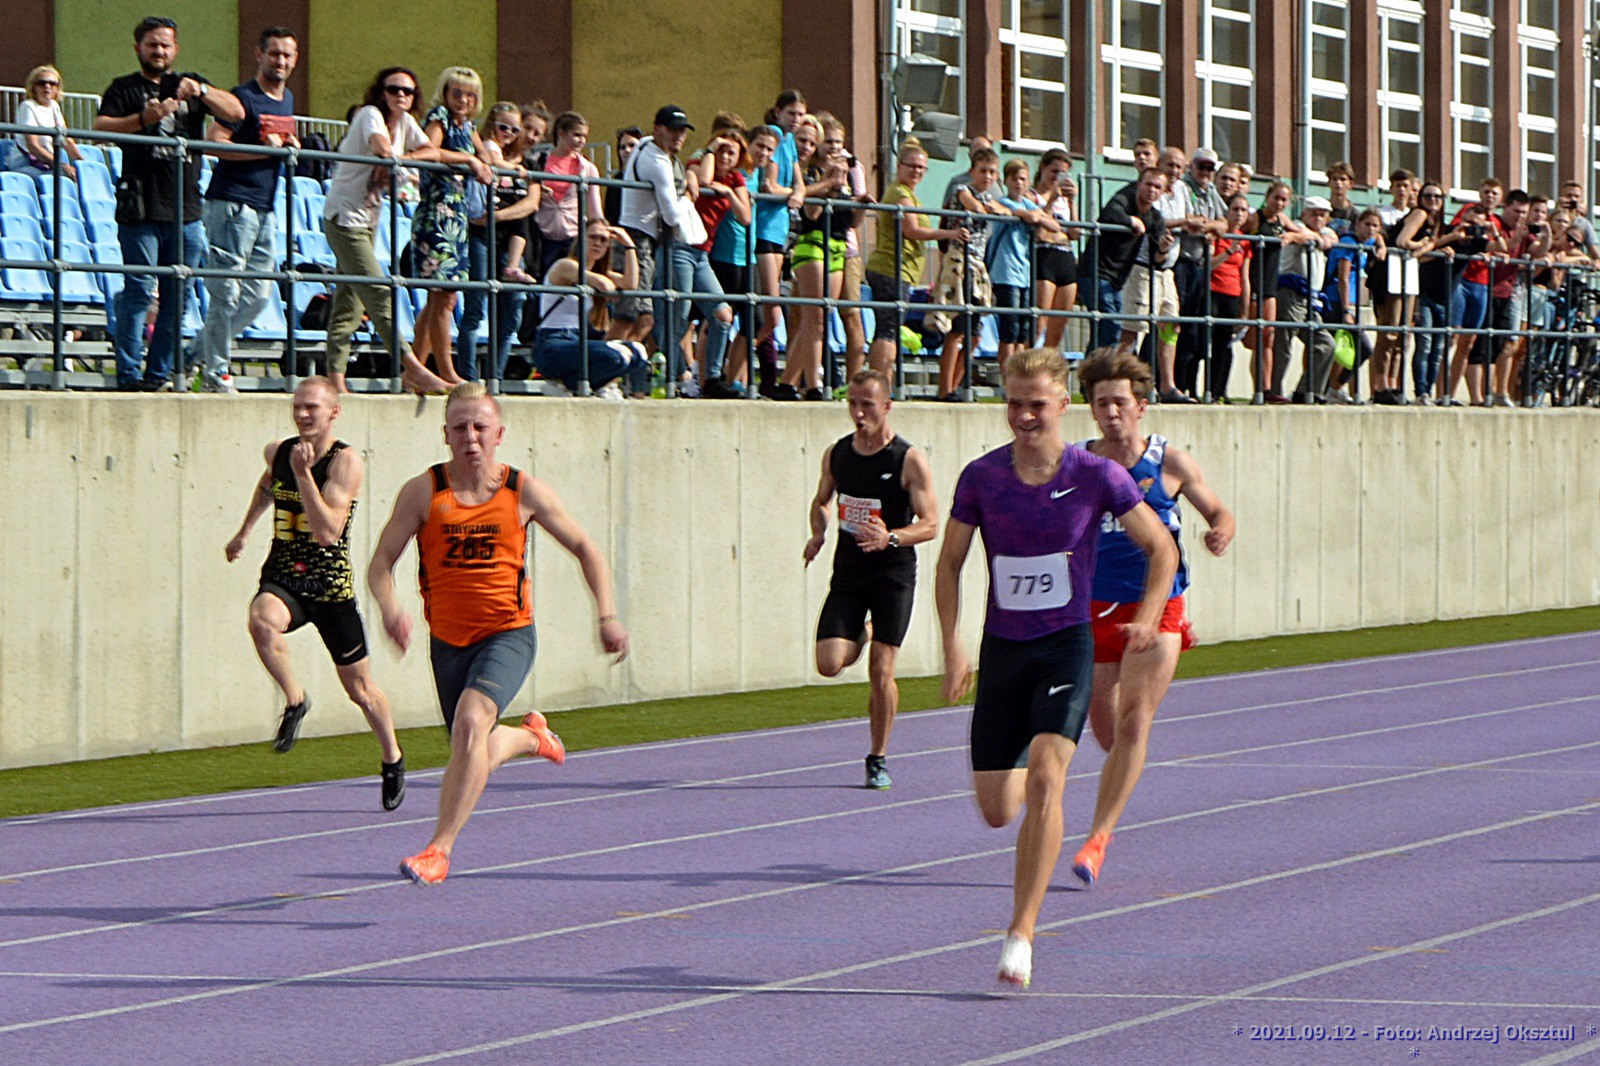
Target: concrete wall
(122, 627)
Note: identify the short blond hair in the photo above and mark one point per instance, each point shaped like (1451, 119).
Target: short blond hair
(1036, 362)
(466, 392)
(40, 71)
(466, 78)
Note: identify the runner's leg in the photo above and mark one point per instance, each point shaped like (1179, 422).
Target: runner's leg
(1146, 676)
(269, 621)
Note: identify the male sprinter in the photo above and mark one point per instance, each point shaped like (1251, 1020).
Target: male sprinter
(1038, 503)
(311, 484)
(1128, 684)
(886, 505)
(470, 518)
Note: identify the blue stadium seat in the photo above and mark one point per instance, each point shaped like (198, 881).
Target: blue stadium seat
(77, 286)
(270, 324)
(311, 246)
(70, 208)
(100, 219)
(22, 283)
(12, 181)
(110, 283)
(93, 151)
(305, 187)
(95, 185)
(23, 227)
(309, 212)
(113, 154)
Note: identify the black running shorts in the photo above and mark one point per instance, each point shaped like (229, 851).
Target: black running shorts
(1028, 687)
(338, 623)
(886, 597)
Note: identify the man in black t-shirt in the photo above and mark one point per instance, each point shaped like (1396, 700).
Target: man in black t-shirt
(157, 102)
(885, 504)
(238, 212)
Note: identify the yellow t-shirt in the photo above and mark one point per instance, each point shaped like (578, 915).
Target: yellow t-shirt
(881, 261)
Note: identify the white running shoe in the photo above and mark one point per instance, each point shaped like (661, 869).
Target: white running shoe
(1016, 963)
(610, 391)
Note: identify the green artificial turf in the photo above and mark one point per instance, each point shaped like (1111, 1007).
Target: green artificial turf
(166, 775)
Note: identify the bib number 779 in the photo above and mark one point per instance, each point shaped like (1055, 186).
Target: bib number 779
(1032, 583)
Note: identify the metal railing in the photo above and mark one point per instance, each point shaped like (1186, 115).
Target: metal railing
(1568, 347)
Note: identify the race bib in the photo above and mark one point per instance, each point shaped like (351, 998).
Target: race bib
(1032, 582)
(855, 512)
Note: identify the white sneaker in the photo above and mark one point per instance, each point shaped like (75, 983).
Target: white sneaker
(1337, 396)
(1502, 400)
(610, 391)
(555, 388)
(1016, 963)
(223, 384)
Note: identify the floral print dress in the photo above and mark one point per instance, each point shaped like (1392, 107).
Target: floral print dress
(439, 230)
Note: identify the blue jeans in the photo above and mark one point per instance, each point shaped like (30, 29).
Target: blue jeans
(1431, 347)
(691, 272)
(474, 302)
(1108, 301)
(558, 354)
(151, 244)
(241, 238)
(1469, 305)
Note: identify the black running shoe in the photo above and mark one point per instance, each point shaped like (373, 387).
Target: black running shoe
(394, 783)
(289, 726)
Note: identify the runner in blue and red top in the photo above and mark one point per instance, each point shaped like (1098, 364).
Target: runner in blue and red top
(1129, 682)
(1038, 504)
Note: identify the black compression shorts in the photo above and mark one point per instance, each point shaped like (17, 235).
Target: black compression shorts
(1028, 687)
(886, 597)
(338, 623)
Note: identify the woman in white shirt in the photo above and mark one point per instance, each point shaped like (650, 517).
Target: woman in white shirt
(385, 126)
(42, 108)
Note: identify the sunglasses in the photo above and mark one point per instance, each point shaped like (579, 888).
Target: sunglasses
(48, 84)
(1203, 165)
(400, 90)
(504, 128)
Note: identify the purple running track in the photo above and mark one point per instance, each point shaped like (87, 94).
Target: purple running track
(1341, 863)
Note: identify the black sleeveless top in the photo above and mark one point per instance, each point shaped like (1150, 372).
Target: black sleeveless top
(871, 485)
(1264, 269)
(296, 562)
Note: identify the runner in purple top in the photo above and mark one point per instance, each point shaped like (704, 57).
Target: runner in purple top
(1038, 504)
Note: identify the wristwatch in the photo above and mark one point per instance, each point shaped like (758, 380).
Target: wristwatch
(204, 88)
(894, 540)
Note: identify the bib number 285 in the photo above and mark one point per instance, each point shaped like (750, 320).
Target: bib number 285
(1032, 583)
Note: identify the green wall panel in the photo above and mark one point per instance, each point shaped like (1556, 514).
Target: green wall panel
(94, 39)
(352, 41)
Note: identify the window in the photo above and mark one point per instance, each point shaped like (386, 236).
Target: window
(1400, 86)
(934, 28)
(1132, 54)
(1471, 112)
(1537, 122)
(1033, 42)
(1330, 85)
(1226, 70)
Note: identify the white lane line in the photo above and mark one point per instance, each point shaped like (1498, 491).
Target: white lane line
(1213, 765)
(655, 789)
(1290, 979)
(912, 956)
(804, 887)
(556, 984)
(1576, 1051)
(724, 738)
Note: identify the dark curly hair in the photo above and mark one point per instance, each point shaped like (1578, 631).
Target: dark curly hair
(374, 96)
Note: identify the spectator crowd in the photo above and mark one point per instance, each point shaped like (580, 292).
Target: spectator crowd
(760, 225)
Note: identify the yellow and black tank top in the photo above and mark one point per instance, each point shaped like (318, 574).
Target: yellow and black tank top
(297, 562)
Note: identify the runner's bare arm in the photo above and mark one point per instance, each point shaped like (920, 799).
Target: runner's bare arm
(410, 512)
(947, 598)
(541, 504)
(873, 535)
(328, 508)
(1147, 531)
(1193, 486)
(260, 502)
(819, 507)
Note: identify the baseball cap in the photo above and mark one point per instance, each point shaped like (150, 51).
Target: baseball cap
(1318, 203)
(673, 118)
(1206, 155)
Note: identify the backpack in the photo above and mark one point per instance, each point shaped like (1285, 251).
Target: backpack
(320, 169)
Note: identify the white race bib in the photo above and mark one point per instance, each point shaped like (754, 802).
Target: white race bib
(1032, 583)
(855, 512)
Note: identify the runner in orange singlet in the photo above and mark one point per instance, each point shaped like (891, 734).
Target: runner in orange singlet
(470, 517)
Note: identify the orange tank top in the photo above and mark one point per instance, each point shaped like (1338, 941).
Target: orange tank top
(474, 573)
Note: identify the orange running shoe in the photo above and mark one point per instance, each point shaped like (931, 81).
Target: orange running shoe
(550, 746)
(1086, 864)
(428, 867)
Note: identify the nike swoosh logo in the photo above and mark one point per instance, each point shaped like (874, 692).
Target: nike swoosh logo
(1062, 492)
(889, 475)
(1057, 688)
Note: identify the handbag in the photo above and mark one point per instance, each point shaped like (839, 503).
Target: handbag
(691, 229)
(1344, 348)
(130, 200)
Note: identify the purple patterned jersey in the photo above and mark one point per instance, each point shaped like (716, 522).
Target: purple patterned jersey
(1040, 540)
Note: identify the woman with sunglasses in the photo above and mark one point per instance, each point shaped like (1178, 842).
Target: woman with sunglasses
(515, 200)
(42, 109)
(384, 127)
(559, 349)
(439, 230)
